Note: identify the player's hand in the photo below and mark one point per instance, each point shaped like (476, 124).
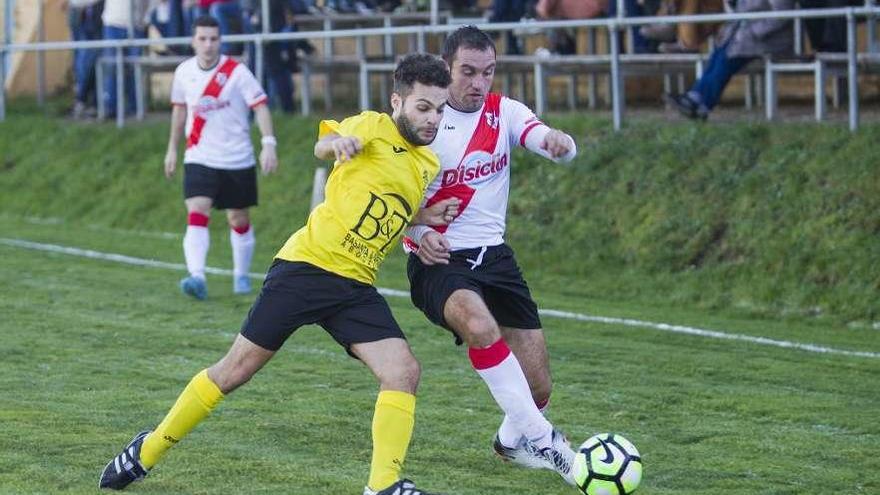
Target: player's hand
(346, 147)
(268, 159)
(170, 163)
(440, 213)
(433, 249)
(556, 143)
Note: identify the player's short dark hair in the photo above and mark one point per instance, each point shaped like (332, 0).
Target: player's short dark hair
(466, 37)
(205, 21)
(420, 68)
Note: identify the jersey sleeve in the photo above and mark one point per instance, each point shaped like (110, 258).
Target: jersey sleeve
(362, 126)
(528, 131)
(178, 94)
(250, 88)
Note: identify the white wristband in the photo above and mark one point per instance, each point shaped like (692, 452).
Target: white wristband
(269, 141)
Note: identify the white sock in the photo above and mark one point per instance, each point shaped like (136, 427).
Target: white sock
(500, 369)
(509, 435)
(195, 249)
(242, 250)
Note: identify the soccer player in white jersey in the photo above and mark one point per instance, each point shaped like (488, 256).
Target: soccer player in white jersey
(212, 96)
(463, 276)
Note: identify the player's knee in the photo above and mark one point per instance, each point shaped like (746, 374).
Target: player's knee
(229, 376)
(403, 375)
(479, 330)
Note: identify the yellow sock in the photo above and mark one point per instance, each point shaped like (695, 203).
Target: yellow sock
(196, 401)
(392, 429)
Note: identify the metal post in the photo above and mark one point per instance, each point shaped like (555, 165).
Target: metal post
(616, 86)
(139, 89)
(871, 28)
(387, 40)
(258, 64)
(306, 87)
(365, 87)
(420, 41)
(819, 77)
(264, 16)
(120, 89)
(99, 86)
(319, 181)
(798, 36)
(328, 42)
(2, 83)
(435, 7)
(540, 102)
(41, 55)
(592, 81)
(770, 90)
(852, 71)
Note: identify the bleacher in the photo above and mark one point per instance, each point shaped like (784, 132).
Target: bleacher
(358, 52)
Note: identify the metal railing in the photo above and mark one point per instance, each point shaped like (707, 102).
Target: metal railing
(612, 24)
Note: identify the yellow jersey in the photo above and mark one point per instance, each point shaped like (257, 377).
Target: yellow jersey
(368, 201)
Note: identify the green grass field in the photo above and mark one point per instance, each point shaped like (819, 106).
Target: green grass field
(95, 350)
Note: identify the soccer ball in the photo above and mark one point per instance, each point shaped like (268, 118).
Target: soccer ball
(607, 464)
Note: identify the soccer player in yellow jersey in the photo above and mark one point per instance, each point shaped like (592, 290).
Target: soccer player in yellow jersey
(324, 275)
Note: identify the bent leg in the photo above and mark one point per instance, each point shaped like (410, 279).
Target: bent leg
(203, 393)
(397, 370)
(466, 312)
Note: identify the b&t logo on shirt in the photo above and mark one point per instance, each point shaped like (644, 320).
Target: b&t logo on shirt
(385, 217)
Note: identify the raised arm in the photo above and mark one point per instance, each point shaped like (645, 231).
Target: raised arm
(178, 122)
(335, 147)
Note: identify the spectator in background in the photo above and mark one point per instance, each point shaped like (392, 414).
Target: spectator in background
(633, 8)
(231, 18)
(123, 19)
(281, 57)
(84, 20)
(561, 40)
(509, 11)
(739, 43)
(684, 37)
(827, 35)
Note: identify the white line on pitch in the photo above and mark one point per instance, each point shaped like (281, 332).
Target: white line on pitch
(665, 327)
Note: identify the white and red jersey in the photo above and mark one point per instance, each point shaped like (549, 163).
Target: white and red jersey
(218, 103)
(474, 150)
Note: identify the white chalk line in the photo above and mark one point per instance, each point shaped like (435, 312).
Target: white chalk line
(665, 327)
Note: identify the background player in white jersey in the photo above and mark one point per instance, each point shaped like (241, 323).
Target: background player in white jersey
(463, 276)
(212, 97)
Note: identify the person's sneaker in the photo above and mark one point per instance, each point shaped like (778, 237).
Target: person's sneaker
(241, 284)
(402, 487)
(688, 107)
(519, 455)
(559, 455)
(195, 287)
(126, 467)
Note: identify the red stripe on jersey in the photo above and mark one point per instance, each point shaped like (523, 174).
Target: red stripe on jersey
(259, 102)
(485, 138)
(410, 244)
(522, 138)
(215, 85)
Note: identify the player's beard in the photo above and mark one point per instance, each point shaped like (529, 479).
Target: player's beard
(410, 132)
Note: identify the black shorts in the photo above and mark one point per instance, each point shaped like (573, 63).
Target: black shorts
(235, 189)
(497, 278)
(296, 294)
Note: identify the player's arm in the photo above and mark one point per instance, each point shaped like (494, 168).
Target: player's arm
(268, 157)
(536, 136)
(178, 123)
(333, 146)
(440, 213)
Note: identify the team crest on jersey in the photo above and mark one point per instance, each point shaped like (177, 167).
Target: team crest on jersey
(492, 120)
(221, 78)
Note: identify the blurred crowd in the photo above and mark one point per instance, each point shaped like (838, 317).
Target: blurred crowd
(120, 19)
